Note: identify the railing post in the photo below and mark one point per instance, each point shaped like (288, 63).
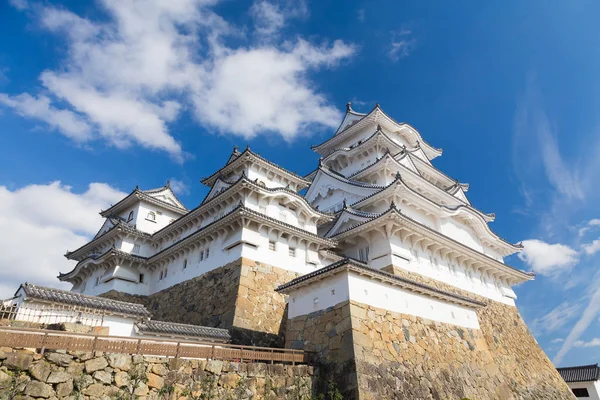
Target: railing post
(241, 354)
(44, 343)
(177, 351)
(212, 357)
(271, 356)
(139, 346)
(94, 344)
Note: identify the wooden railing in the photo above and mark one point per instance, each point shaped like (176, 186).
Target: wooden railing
(58, 340)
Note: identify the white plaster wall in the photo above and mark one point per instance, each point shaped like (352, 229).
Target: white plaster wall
(319, 295)
(460, 233)
(335, 197)
(382, 295)
(119, 326)
(592, 387)
(350, 286)
(32, 311)
(383, 252)
(146, 225)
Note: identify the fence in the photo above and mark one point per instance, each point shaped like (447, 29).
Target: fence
(57, 340)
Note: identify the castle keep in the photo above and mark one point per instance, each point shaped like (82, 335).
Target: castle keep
(382, 267)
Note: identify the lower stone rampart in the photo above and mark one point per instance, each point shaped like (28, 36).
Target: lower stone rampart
(398, 356)
(239, 296)
(79, 375)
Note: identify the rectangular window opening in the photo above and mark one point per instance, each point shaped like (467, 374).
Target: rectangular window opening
(292, 252)
(141, 278)
(581, 392)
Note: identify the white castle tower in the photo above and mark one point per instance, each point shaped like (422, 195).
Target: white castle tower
(396, 212)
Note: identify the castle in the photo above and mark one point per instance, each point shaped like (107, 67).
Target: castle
(382, 267)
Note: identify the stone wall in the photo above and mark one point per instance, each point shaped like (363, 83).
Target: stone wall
(397, 356)
(78, 375)
(239, 296)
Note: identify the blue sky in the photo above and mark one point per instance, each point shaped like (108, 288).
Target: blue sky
(98, 97)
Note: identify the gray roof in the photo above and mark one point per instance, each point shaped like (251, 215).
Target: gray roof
(583, 373)
(77, 299)
(172, 328)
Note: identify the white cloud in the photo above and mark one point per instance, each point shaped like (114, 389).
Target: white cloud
(134, 72)
(555, 319)
(360, 14)
(19, 4)
(595, 342)
(401, 45)
(548, 259)
(591, 248)
(268, 17)
(589, 314)
(70, 124)
(40, 223)
(594, 222)
(179, 187)
(557, 340)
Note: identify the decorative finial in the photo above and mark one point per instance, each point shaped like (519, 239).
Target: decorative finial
(235, 148)
(137, 187)
(247, 146)
(345, 204)
(376, 105)
(398, 176)
(349, 106)
(320, 161)
(168, 183)
(378, 127)
(393, 205)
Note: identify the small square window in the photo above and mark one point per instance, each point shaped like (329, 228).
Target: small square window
(166, 272)
(141, 278)
(207, 252)
(292, 252)
(332, 291)
(185, 263)
(202, 255)
(136, 249)
(272, 245)
(160, 276)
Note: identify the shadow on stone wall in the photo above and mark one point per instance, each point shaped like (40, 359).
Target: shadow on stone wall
(239, 296)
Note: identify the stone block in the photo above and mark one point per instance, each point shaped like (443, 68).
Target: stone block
(214, 366)
(95, 364)
(159, 369)
(95, 390)
(38, 389)
(40, 370)
(103, 376)
(58, 377)
(122, 379)
(18, 361)
(120, 361)
(65, 388)
(62, 360)
(155, 381)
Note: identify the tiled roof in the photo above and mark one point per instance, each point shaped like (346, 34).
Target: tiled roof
(583, 373)
(77, 299)
(172, 328)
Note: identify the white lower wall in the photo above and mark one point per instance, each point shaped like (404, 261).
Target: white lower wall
(350, 286)
(44, 313)
(593, 389)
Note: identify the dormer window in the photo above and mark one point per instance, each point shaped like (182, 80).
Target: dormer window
(130, 216)
(151, 216)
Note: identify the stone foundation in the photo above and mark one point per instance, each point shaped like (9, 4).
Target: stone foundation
(397, 356)
(239, 296)
(78, 375)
